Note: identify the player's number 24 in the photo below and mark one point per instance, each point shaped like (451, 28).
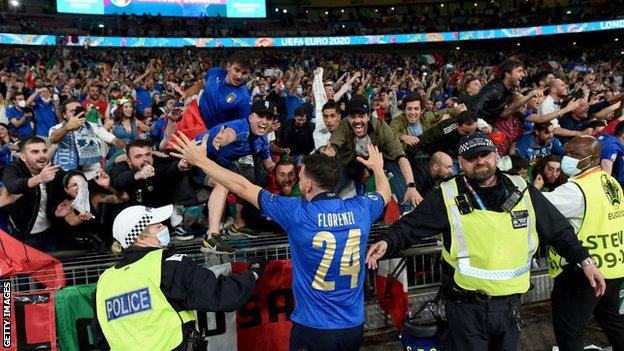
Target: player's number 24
(349, 263)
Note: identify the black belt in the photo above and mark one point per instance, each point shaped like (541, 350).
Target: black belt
(456, 293)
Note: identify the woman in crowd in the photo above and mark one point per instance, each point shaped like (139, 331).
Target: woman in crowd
(547, 173)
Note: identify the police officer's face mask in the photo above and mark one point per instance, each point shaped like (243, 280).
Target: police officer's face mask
(163, 237)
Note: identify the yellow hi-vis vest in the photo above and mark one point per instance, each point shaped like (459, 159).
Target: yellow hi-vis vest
(491, 251)
(132, 310)
(602, 227)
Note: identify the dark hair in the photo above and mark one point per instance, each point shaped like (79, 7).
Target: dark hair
(67, 102)
(301, 111)
(619, 129)
(331, 104)
(286, 162)
(596, 123)
(541, 76)
(243, 60)
(507, 67)
(467, 79)
(70, 174)
(30, 140)
(323, 170)
(540, 127)
(540, 166)
(118, 115)
(412, 98)
(467, 117)
(518, 163)
(137, 143)
(16, 94)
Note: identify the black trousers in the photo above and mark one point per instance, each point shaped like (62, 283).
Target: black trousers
(482, 325)
(574, 302)
(304, 338)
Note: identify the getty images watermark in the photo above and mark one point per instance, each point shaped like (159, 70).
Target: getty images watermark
(6, 314)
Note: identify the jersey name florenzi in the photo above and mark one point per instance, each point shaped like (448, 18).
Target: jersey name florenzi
(336, 219)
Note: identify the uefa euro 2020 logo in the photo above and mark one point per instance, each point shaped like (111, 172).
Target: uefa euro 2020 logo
(611, 190)
(121, 3)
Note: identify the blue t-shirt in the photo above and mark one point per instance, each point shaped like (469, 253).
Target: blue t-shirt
(222, 102)
(327, 238)
(45, 116)
(158, 131)
(227, 155)
(613, 149)
(143, 98)
(526, 147)
(25, 130)
(292, 103)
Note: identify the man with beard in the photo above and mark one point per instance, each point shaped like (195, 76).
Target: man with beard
(36, 181)
(94, 98)
(429, 176)
(296, 135)
(227, 143)
(541, 142)
(494, 99)
(351, 140)
(548, 173)
(326, 235)
(491, 224)
(249, 221)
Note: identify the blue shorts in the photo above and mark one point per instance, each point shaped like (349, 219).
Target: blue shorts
(312, 339)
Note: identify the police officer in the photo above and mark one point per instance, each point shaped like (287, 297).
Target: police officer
(592, 201)
(148, 300)
(491, 224)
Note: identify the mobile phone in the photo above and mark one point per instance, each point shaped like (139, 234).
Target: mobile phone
(79, 110)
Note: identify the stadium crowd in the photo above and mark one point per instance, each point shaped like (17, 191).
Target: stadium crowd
(357, 20)
(85, 133)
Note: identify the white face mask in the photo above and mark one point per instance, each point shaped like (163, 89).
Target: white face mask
(21, 103)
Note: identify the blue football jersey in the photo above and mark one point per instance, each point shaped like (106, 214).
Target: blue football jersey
(227, 155)
(221, 102)
(327, 238)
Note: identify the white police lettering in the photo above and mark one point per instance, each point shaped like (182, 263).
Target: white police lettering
(129, 303)
(336, 219)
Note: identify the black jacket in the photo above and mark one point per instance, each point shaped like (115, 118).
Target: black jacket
(430, 219)
(441, 137)
(300, 141)
(159, 190)
(491, 100)
(23, 212)
(187, 286)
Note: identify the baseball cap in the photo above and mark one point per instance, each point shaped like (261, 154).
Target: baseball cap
(263, 107)
(358, 104)
(131, 222)
(472, 144)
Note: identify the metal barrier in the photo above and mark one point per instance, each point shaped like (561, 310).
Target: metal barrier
(422, 264)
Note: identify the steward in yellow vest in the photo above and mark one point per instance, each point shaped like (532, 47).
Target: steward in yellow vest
(149, 299)
(491, 224)
(593, 202)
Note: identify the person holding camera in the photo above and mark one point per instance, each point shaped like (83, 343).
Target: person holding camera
(78, 142)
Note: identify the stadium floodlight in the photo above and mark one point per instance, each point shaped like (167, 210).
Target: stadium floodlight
(342, 11)
(616, 39)
(441, 5)
(517, 44)
(101, 25)
(475, 4)
(15, 3)
(457, 48)
(573, 43)
(392, 8)
(285, 11)
(276, 9)
(568, 12)
(327, 12)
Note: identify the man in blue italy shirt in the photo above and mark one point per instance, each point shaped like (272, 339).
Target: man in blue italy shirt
(327, 237)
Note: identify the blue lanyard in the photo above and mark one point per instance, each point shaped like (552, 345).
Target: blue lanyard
(474, 194)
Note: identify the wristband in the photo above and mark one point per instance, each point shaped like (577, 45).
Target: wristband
(411, 185)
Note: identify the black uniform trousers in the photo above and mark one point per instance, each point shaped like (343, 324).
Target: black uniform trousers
(304, 338)
(486, 325)
(574, 302)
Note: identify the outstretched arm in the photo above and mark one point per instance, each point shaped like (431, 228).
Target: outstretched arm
(196, 155)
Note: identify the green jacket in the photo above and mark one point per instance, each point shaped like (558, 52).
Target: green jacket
(431, 118)
(382, 136)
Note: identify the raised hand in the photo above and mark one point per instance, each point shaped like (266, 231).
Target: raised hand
(328, 150)
(47, 174)
(188, 150)
(374, 161)
(146, 172)
(102, 179)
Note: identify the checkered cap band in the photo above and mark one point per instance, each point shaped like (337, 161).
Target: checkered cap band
(138, 228)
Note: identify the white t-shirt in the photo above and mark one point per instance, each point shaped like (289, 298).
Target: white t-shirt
(42, 222)
(549, 106)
